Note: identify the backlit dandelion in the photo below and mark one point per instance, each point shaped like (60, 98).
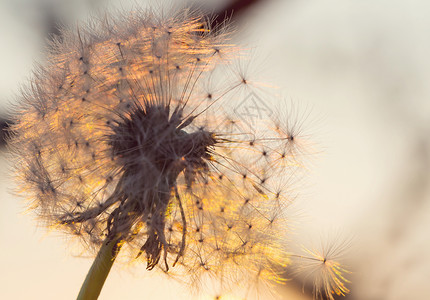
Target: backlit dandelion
(322, 266)
(127, 140)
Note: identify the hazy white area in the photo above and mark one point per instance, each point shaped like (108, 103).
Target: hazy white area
(362, 67)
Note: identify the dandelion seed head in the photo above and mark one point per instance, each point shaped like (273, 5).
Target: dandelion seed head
(127, 133)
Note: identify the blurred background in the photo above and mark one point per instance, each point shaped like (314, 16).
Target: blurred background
(361, 67)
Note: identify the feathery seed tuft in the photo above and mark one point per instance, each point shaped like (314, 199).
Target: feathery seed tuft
(128, 133)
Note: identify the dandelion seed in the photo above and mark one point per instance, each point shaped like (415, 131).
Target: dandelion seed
(322, 266)
(119, 142)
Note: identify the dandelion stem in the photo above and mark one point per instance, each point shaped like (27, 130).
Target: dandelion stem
(99, 271)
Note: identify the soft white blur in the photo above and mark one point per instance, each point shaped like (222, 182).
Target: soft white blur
(360, 66)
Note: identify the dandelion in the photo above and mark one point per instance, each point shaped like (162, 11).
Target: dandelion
(323, 268)
(127, 140)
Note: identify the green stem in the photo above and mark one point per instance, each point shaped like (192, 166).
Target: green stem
(99, 271)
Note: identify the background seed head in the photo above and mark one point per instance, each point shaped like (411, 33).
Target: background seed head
(135, 129)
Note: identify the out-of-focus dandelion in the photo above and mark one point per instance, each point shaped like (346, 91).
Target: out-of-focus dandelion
(323, 268)
(127, 140)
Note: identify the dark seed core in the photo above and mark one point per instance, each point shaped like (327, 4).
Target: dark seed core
(150, 137)
(153, 147)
